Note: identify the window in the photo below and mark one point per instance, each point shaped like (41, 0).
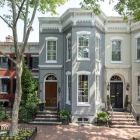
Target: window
(69, 48)
(51, 78)
(4, 62)
(97, 86)
(51, 50)
(35, 62)
(83, 45)
(138, 89)
(82, 120)
(68, 96)
(138, 49)
(5, 84)
(97, 47)
(83, 89)
(116, 50)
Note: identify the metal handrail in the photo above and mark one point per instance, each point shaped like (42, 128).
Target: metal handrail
(111, 112)
(133, 111)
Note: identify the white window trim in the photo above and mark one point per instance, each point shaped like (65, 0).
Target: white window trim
(78, 34)
(67, 37)
(51, 39)
(119, 39)
(68, 73)
(137, 74)
(137, 60)
(4, 77)
(82, 103)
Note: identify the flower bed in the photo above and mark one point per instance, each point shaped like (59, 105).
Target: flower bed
(24, 134)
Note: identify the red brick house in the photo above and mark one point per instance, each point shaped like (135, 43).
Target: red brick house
(7, 68)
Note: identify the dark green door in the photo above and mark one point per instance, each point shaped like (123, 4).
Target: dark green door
(116, 95)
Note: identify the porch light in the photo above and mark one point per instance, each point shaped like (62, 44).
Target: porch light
(127, 86)
(108, 86)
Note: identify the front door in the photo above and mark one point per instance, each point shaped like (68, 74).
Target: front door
(116, 95)
(51, 94)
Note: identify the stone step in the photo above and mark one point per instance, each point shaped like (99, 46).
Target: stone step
(121, 116)
(123, 123)
(125, 126)
(45, 123)
(51, 108)
(123, 119)
(119, 113)
(46, 119)
(47, 112)
(46, 116)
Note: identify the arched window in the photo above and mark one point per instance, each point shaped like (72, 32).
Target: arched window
(115, 78)
(51, 78)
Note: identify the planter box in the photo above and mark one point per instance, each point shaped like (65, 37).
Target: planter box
(102, 123)
(41, 106)
(65, 121)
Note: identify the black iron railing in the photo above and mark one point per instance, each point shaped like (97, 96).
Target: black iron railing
(58, 110)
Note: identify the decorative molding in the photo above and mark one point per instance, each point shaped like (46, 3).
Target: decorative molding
(50, 66)
(118, 67)
(68, 35)
(51, 38)
(116, 38)
(83, 32)
(68, 73)
(83, 72)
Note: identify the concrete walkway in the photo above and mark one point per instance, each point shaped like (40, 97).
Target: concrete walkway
(72, 132)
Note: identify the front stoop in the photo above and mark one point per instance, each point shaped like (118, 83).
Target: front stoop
(47, 117)
(123, 120)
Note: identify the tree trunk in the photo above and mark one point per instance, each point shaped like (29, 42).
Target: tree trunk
(18, 94)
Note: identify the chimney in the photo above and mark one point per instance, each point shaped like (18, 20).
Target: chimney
(9, 39)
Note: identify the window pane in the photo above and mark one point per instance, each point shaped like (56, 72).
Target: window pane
(82, 88)
(69, 48)
(138, 43)
(138, 89)
(116, 56)
(35, 62)
(138, 49)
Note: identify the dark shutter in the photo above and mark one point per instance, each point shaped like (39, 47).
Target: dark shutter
(31, 64)
(8, 85)
(14, 85)
(9, 63)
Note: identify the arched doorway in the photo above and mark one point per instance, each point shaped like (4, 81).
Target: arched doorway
(51, 90)
(116, 91)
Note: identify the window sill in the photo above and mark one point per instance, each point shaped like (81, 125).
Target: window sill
(86, 59)
(35, 68)
(116, 62)
(68, 103)
(137, 103)
(3, 93)
(51, 62)
(137, 61)
(68, 60)
(83, 104)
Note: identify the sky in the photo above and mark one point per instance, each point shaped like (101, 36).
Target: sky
(34, 36)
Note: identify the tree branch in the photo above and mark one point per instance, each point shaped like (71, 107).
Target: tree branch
(20, 9)
(6, 22)
(8, 57)
(29, 29)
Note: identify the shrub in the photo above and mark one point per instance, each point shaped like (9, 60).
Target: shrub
(2, 114)
(64, 114)
(102, 116)
(126, 102)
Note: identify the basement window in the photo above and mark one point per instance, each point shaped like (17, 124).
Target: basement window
(83, 120)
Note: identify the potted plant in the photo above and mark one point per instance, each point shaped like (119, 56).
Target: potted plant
(42, 106)
(108, 103)
(102, 118)
(126, 102)
(64, 116)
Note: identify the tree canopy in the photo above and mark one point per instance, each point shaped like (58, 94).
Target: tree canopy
(129, 9)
